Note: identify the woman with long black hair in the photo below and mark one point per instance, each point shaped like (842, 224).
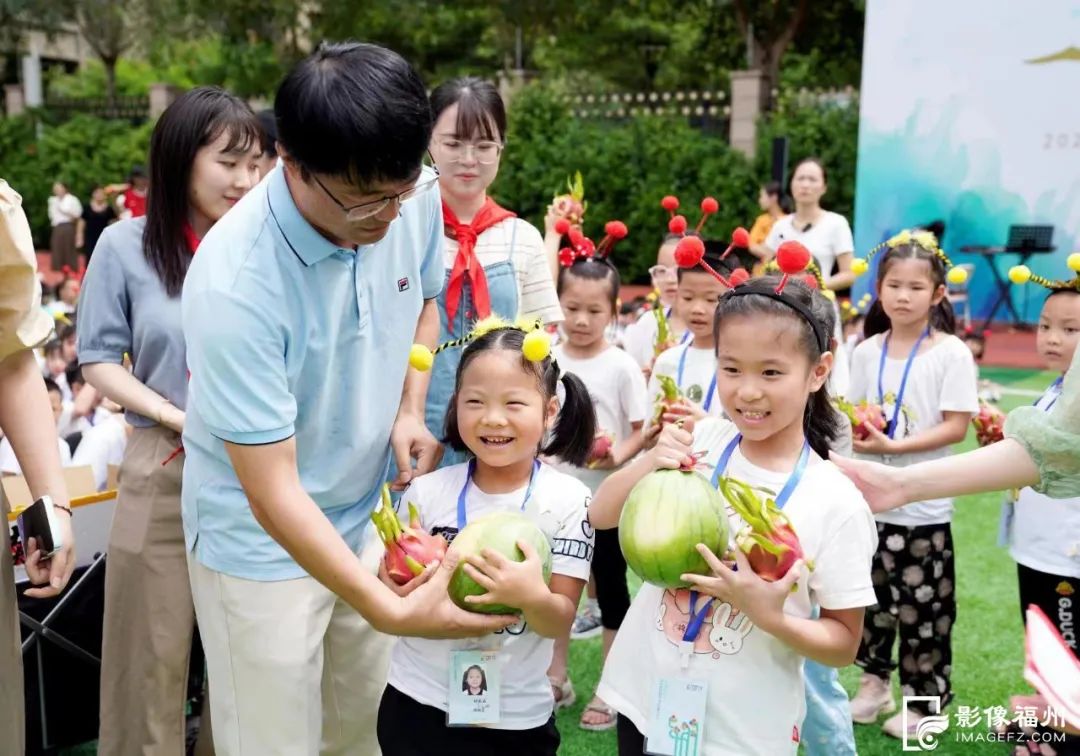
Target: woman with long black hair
(202, 161)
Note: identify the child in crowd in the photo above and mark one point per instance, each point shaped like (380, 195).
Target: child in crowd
(924, 378)
(503, 407)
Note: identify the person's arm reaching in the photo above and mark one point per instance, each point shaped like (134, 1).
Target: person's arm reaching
(270, 479)
(27, 420)
(997, 467)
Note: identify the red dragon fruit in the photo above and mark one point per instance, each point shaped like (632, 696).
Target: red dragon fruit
(768, 540)
(863, 416)
(601, 447)
(408, 549)
(989, 424)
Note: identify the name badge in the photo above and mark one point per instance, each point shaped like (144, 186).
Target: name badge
(676, 717)
(474, 689)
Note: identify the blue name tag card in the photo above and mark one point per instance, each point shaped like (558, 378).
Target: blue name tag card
(676, 717)
(473, 695)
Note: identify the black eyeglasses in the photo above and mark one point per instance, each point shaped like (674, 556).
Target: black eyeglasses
(367, 209)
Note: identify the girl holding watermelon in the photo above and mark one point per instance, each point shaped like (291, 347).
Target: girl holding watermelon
(739, 635)
(503, 406)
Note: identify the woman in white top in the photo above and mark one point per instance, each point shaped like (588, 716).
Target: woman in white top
(64, 211)
(496, 263)
(828, 237)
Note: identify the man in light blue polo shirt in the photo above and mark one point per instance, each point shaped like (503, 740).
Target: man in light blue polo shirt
(299, 311)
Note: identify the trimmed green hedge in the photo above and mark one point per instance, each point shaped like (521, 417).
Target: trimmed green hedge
(80, 152)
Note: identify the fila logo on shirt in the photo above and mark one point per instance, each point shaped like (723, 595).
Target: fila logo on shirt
(403, 284)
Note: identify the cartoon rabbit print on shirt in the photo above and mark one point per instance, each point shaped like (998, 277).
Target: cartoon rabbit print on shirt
(722, 632)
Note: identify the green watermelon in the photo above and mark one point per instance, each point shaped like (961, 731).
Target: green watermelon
(665, 516)
(499, 532)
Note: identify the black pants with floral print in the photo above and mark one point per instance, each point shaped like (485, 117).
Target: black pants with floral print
(914, 577)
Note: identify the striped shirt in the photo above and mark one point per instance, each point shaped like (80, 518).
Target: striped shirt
(536, 290)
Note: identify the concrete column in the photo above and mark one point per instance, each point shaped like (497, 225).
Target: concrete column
(14, 100)
(161, 97)
(747, 102)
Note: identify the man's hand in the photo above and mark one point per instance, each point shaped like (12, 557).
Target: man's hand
(428, 611)
(52, 573)
(410, 439)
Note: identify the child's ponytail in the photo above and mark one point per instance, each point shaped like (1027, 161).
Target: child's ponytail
(575, 427)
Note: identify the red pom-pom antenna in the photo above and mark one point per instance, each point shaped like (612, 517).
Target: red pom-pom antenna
(740, 238)
(677, 224)
(576, 237)
(690, 252)
(613, 231)
(738, 277)
(708, 207)
(792, 258)
(670, 203)
(562, 226)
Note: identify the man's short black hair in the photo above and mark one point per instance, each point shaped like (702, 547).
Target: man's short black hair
(355, 111)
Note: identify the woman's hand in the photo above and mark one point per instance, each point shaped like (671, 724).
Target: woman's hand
(884, 488)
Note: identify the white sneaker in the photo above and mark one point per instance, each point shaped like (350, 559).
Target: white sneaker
(873, 699)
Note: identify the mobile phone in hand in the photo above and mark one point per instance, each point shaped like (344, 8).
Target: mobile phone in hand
(38, 521)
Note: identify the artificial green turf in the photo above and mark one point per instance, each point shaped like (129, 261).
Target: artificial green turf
(987, 640)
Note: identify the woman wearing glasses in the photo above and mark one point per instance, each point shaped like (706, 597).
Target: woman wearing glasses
(496, 263)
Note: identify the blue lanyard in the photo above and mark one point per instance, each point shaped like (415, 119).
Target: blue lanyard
(693, 627)
(679, 376)
(890, 429)
(461, 514)
(685, 334)
(1054, 387)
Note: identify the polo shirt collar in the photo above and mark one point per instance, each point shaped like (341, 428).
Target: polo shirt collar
(306, 243)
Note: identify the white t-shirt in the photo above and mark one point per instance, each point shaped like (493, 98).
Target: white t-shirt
(70, 424)
(943, 379)
(537, 297)
(420, 667)
(617, 389)
(1045, 532)
(102, 445)
(826, 239)
(640, 338)
(698, 376)
(9, 465)
(755, 700)
(66, 209)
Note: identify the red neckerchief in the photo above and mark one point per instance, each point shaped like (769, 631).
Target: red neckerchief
(191, 239)
(466, 264)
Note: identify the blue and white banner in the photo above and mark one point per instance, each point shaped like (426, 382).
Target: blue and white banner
(970, 114)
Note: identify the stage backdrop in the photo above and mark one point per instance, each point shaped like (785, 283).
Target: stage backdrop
(970, 113)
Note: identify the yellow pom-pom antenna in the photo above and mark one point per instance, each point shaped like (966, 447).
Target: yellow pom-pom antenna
(421, 358)
(537, 345)
(1074, 262)
(956, 276)
(1020, 274)
(859, 266)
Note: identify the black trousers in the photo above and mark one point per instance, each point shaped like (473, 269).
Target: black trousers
(609, 570)
(914, 576)
(1056, 596)
(631, 742)
(409, 728)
